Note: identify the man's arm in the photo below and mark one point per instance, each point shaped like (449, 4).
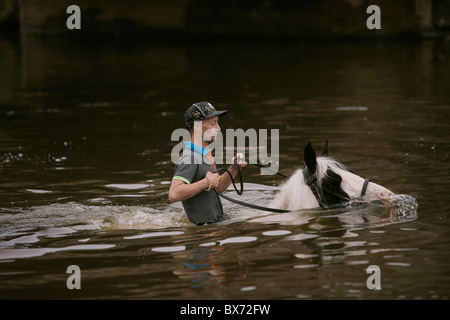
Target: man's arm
(179, 190)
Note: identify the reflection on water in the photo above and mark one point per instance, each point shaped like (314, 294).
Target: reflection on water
(85, 169)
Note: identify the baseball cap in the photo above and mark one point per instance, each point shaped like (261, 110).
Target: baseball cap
(200, 111)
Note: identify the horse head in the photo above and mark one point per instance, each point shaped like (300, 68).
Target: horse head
(325, 182)
(325, 187)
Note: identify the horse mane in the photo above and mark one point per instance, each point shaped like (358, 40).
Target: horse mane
(295, 194)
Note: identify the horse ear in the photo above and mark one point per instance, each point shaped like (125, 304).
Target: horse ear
(310, 159)
(325, 150)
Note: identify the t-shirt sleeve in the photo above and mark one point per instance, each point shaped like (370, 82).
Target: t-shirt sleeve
(184, 172)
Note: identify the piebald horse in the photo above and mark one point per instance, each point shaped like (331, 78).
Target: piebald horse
(324, 182)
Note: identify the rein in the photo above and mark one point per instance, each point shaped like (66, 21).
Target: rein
(239, 192)
(311, 181)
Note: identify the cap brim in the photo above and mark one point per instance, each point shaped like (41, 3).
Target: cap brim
(217, 113)
(221, 113)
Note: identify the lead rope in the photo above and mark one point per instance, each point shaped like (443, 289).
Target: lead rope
(240, 192)
(254, 206)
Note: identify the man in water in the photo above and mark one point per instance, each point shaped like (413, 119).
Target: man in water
(195, 173)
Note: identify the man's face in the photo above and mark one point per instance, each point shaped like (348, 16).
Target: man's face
(210, 129)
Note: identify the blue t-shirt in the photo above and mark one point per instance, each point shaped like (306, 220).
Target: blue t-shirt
(195, 162)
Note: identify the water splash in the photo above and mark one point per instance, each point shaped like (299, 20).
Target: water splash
(406, 207)
(355, 213)
(21, 226)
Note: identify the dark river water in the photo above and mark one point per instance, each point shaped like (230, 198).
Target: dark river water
(85, 168)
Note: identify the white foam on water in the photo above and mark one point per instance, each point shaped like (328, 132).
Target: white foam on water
(129, 186)
(140, 217)
(399, 208)
(155, 234)
(24, 226)
(249, 288)
(301, 237)
(127, 196)
(305, 255)
(352, 108)
(169, 249)
(398, 264)
(207, 244)
(21, 226)
(37, 252)
(238, 240)
(38, 191)
(305, 266)
(276, 232)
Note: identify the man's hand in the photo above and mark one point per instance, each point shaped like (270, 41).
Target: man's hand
(225, 181)
(240, 160)
(214, 178)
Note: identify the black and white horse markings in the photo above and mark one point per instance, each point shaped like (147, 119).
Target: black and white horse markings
(324, 182)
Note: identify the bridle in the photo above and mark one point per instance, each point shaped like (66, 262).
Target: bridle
(311, 181)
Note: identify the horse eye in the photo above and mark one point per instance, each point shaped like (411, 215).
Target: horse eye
(331, 186)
